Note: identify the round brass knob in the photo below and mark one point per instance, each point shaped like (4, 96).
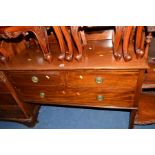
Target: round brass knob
(35, 79)
(42, 95)
(100, 97)
(99, 80)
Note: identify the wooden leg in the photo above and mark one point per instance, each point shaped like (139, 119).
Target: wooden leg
(132, 119)
(69, 54)
(83, 37)
(61, 41)
(74, 31)
(127, 32)
(140, 42)
(13, 92)
(42, 37)
(116, 41)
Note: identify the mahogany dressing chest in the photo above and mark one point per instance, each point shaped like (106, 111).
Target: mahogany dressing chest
(96, 80)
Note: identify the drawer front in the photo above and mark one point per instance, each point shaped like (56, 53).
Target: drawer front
(104, 79)
(79, 97)
(34, 78)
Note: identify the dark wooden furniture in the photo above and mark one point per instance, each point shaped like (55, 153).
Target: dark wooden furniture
(97, 80)
(12, 107)
(40, 32)
(146, 110)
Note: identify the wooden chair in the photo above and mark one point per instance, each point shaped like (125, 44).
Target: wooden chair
(40, 32)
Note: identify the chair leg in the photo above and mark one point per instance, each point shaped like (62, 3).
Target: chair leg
(140, 42)
(42, 37)
(127, 32)
(74, 32)
(61, 41)
(83, 37)
(69, 54)
(116, 41)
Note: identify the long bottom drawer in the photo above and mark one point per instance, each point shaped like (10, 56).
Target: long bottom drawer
(82, 97)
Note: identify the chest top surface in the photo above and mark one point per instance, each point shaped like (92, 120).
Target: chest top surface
(97, 55)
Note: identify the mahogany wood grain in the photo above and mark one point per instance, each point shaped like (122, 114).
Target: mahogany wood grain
(13, 111)
(61, 41)
(69, 53)
(112, 79)
(3, 88)
(127, 31)
(7, 99)
(9, 86)
(136, 98)
(146, 109)
(24, 78)
(98, 55)
(116, 42)
(149, 76)
(140, 37)
(75, 83)
(78, 42)
(78, 96)
(39, 31)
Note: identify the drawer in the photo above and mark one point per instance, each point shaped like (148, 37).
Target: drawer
(102, 78)
(7, 99)
(33, 78)
(79, 97)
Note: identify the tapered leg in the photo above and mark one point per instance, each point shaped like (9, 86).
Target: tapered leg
(69, 54)
(140, 42)
(127, 32)
(61, 41)
(83, 37)
(116, 41)
(132, 119)
(42, 37)
(75, 34)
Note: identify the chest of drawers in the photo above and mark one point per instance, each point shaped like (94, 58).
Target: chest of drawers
(96, 88)
(95, 81)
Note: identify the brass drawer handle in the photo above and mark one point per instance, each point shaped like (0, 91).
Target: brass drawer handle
(99, 80)
(42, 95)
(35, 79)
(100, 97)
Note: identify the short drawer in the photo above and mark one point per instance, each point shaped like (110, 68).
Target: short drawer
(79, 97)
(34, 78)
(102, 78)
